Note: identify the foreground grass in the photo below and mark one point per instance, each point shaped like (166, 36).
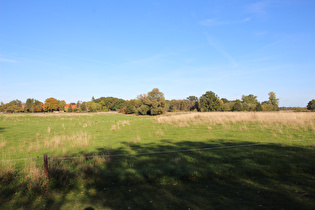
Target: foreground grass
(277, 175)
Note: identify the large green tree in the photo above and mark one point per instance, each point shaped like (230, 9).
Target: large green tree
(210, 102)
(152, 103)
(192, 98)
(311, 105)
(237, 106)
(250, 99)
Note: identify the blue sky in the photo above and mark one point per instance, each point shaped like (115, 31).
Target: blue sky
(73, 50)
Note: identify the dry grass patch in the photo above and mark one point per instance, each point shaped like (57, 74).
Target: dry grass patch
(3, 143)
(159, 133)
(34, 175)
(138, 138)
(80, 139)
(122, 123)
(115, 128)
(300, 119)
(7, 167)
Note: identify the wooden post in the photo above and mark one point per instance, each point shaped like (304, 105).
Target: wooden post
(46, 168)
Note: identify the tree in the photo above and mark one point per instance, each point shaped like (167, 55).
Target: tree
(13, 106)
(210, 102)
(152, 103)
(2, 106)
(258, 107)
(110, 103)
(70, 108)
(29, 105)
(157, 102)
(192, 98)
(61, 105)
(51, 104)
(311, 105)
(83, 106)
(38, 106)
(33, 105)
(92, 106)
(238, 106)
(225, 101)
(250, 99)
(130, 107)
(273, 99)
(79, 103)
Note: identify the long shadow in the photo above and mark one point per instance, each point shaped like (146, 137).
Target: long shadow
(2, 129)
(265, 176)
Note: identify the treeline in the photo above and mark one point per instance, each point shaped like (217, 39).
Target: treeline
(152, 103)
(54, 105)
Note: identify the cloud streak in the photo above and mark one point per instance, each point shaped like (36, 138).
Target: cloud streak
(216, 45)
(258, 8)
(216, 22)
(61, 54)
(8, 60)
(213, 22)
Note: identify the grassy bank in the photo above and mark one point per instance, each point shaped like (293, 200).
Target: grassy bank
(214, 166)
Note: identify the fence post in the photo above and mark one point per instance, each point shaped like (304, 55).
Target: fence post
(46, 168)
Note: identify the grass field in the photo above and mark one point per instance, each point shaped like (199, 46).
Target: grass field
(181, 161)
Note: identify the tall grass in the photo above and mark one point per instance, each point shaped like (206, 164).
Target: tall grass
(3, 143)
(283, 118)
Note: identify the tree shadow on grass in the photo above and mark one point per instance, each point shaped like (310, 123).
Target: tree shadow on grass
(265, 176)
(2, 129)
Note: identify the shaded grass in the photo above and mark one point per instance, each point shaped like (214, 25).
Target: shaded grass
(269, 176)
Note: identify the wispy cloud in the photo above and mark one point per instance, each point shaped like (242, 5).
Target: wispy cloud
(8, 60)
(246, 19)
(272, 43)
(258, 8)
(62, 54)
(213, 22)
(216, 45)
(216, 22)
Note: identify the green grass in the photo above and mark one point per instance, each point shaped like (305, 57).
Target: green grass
(277, 175)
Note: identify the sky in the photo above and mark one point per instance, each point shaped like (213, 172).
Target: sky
(75, 49)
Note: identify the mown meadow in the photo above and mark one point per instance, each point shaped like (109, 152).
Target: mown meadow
(218, 160)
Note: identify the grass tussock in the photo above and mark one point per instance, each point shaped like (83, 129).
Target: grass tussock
(121, 123)
(300, 119)
(159, 133)
(115, 128)
(7, 168)
(3, 143)
(138, 138)
(34, 175)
